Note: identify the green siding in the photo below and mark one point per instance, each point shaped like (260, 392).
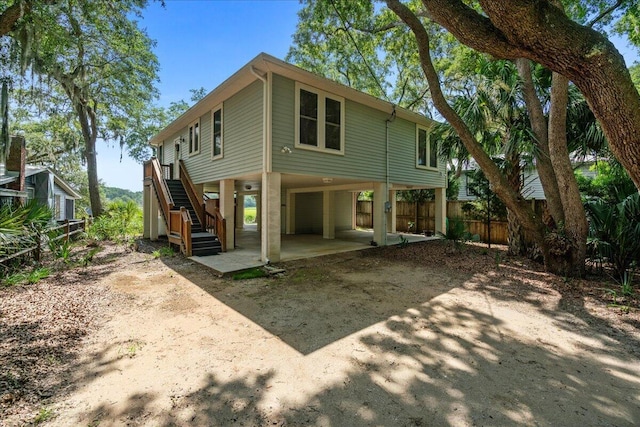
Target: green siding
(242, 135)
(365, 145)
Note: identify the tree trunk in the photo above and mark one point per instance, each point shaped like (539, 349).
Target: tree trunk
(515, 238)
(570, 241)
(531, 224)
(540, 31)
(540, 129)
(87, 118)
(512, 199)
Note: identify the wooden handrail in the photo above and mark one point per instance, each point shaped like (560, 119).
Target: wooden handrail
(153, 172)
(196, 202)
(215, 222)
(185, 231)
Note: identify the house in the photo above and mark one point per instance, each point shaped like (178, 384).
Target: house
(28, 182)
(531, 185)
(303, 144)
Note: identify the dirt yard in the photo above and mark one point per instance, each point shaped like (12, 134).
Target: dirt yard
(382, 337)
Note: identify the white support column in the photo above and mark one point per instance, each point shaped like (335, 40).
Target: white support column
(391, 216)
(354, 210)
(291, 212)
(271, 222)
(239, 211)
(146, 210)
(227, 204)
(441, 210)
(153, 216)
(259, 211)
(379, 215)
(329, 214)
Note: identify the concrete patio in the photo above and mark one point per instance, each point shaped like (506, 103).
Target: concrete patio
(247, 252)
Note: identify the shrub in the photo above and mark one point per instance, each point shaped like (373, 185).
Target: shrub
(121, 221)
(614, 232)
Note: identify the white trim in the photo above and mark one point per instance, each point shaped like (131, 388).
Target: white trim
(191, 136)
(213, 142)
(320, 119)
(427, 148)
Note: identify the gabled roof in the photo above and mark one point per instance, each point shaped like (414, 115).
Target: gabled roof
(264, 63)
(29, 170)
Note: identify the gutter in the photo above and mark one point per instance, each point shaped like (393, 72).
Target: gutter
(266, 141)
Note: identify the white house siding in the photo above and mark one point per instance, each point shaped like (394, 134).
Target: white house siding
(365, 144)
(242, 139)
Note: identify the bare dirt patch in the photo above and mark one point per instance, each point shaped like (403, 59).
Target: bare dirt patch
(414, 336)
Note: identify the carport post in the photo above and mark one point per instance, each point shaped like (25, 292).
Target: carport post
(270, 232)
(329, 214)
(441, 210)
(227, 190)
(380, 190)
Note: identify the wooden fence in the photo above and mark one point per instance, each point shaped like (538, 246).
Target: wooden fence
(65, 230)
(420, 218)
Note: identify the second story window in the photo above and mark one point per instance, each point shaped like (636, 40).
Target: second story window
(194, 137)
(319, 120)
(216, 132)
(426, 151)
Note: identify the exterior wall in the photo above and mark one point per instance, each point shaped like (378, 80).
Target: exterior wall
(365, 144)
(309, 213)
(532, 187)
(344, 210)
(242, 116)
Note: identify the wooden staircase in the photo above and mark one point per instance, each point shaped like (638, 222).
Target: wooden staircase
(189, 225)
(202, 242)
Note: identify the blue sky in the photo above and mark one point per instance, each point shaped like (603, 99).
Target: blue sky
(200, 43)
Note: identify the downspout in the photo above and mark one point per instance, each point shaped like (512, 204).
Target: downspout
(387, 205)
(266, 154)
(266, 167)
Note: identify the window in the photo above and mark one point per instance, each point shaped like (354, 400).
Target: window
(319, 120)
(58, 206)
(216, 133)
(194, 137)
(427, 151)
(159, 153)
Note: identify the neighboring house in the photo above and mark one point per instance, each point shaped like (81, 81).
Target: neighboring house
(304, 145)
(531, 185)
(27, 182)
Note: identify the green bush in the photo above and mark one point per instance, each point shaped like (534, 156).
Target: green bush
(614, 233)
(121, 222)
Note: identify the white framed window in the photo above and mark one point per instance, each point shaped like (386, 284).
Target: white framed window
(319, 120)
(194, 137)
(426, 150)
(217, 133)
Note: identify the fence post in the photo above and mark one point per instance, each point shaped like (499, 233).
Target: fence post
(66, 230)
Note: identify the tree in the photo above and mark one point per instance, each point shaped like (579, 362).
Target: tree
(102, 62)
(541, 31)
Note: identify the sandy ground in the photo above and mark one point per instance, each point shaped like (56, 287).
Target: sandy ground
(384, 337)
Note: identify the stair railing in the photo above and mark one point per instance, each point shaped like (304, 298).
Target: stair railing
(185, 231)
(153, 173)
(196, 201)
(216, 224)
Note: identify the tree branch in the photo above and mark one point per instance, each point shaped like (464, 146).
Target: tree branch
(606, 12)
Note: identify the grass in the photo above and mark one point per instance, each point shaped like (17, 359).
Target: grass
(250, 274)
(131, 349)
(163, 252)
(31, 278)
(250, 215)
(45, 414)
